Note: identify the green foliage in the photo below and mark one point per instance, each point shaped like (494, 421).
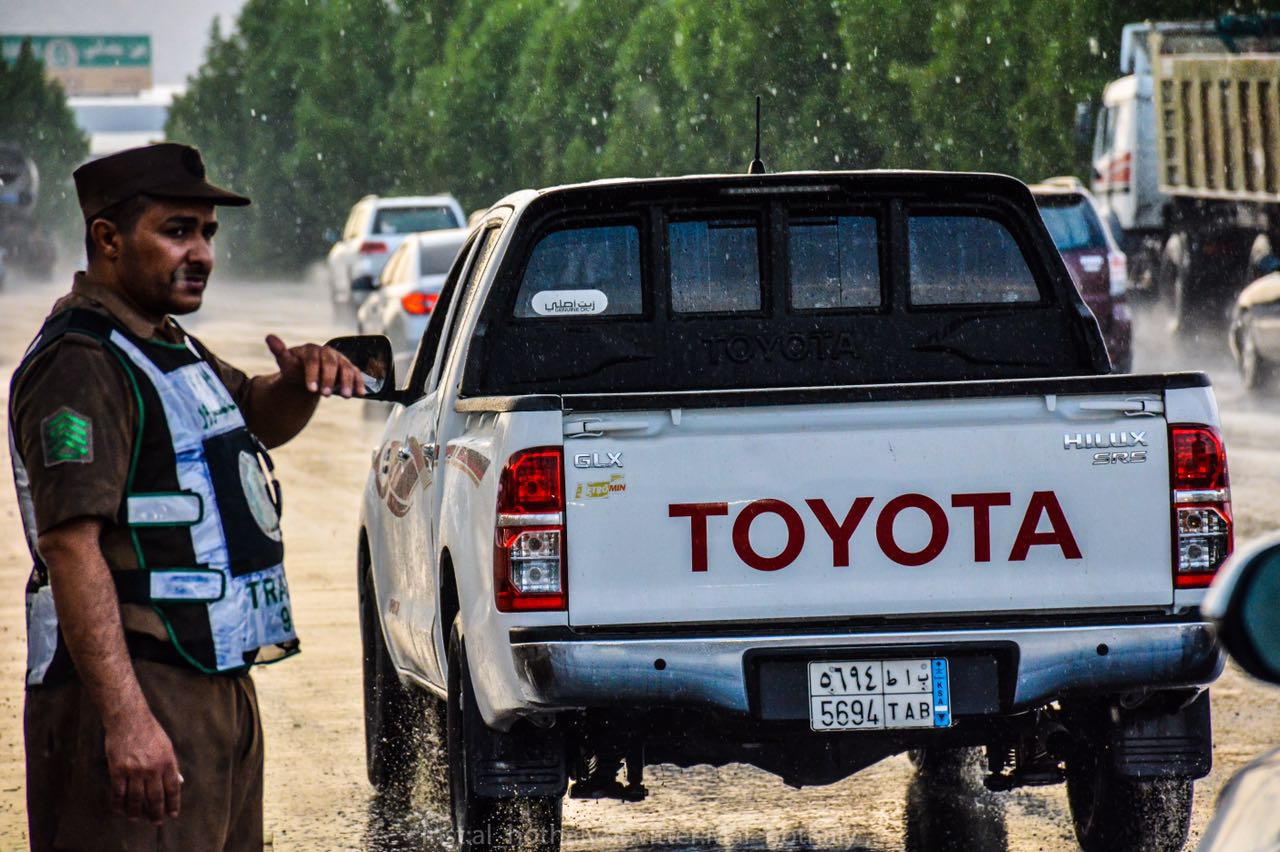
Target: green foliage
(314, 103)
(34, 116)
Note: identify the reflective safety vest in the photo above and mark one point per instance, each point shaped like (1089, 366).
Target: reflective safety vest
(201, 511)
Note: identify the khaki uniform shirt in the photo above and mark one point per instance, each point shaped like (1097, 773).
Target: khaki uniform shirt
(78, 372)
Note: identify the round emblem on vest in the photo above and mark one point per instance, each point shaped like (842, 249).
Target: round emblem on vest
(256, 494)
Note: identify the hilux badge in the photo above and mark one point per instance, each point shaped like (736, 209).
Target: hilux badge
(597, 460)
(1103, 440)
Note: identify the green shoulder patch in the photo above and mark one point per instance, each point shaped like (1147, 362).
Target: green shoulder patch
(67, 436)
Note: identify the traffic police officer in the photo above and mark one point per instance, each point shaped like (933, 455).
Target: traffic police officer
(152, 516)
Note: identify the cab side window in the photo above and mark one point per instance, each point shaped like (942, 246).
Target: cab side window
(468, 288)
(425, 359)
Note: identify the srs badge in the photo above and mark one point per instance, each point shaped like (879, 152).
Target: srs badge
(256, 494)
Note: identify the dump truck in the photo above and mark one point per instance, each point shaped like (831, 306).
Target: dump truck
(1186, 161)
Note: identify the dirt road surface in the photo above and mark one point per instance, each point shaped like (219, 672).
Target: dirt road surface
(316, 794)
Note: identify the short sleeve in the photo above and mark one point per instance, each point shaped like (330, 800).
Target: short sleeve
(74, 417)
(236, 380)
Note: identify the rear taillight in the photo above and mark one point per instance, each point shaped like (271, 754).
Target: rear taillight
(419, 304)
(529, 552)
(1119, 267)
(369, 247)
(1202, 525)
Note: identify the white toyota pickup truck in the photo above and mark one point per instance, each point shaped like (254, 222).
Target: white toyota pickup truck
(797, 470)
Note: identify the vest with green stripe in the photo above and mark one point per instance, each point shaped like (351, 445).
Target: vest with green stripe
(201, 511)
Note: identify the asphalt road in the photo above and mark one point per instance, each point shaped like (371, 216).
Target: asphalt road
(316, 795)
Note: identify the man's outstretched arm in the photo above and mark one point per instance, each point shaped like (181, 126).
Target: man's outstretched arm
(143, 769)
(281, 404)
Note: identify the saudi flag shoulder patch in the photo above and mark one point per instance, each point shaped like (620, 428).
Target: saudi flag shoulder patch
(67, 436)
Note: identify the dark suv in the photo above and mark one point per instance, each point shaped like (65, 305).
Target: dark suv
(1094, 259)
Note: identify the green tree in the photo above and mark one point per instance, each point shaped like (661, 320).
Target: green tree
(341, 149)
(240, 110)
(460, 124)
(34, 116)
(313, 103)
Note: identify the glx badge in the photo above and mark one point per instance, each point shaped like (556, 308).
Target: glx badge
(593, 460)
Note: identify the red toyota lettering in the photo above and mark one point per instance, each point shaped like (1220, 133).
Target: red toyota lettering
(697, 513)
(1044, 503)
(742, 535)
(981, 504)
(840, 533)
(937, 539)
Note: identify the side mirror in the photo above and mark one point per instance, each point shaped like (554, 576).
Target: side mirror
(1244, 602)
(330, 235)
(371, 354)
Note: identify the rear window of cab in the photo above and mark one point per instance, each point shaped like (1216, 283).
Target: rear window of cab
(719, 263)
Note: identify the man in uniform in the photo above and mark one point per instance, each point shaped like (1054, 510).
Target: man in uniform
(146, 494)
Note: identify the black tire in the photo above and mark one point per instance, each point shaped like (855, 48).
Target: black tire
(394, 714)
(1259, 253)
(953, 767)
(1255, 372)
(1178, 285)
(481, 822)
(1113, 814)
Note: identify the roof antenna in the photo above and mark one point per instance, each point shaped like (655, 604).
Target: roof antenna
(757, 164)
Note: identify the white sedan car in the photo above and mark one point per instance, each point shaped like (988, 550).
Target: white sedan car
(374, 230)
(406, 293)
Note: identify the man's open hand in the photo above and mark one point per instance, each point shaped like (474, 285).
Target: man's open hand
(317, 368)
(145, 782)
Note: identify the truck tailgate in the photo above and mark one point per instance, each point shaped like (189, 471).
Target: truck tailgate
(1027, 503)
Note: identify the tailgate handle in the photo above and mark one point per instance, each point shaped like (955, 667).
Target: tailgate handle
(1131, 407)
(596, 428)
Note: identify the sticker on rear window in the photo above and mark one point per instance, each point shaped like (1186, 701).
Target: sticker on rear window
(554, 303)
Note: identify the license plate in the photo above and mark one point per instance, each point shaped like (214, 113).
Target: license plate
(859, 695)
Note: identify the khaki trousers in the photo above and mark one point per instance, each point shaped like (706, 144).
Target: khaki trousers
(213, 723)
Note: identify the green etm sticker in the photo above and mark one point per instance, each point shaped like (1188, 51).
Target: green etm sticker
(68, 437)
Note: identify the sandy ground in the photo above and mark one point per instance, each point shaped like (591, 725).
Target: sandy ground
(317, 797)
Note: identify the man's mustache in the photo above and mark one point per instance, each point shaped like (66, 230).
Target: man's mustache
(194, 272)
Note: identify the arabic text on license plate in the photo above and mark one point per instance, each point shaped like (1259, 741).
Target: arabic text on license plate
(852, 695)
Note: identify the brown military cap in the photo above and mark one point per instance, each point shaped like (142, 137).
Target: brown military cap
(166, 170)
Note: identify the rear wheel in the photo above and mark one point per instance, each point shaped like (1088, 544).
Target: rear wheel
(952, 767)
(479, 821)
(1115, 814)
(1255, 372)
(394, 714)
(1177, 283)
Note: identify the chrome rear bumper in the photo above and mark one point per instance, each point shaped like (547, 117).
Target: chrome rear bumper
(577, 671)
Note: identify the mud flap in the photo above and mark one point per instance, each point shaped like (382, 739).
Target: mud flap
(525, 761)
(1156, 742)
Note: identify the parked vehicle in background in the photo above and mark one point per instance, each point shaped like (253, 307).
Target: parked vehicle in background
(799, 470)
(400, 306)
(116, 122)
(23, 242)
(374, 229)
(1254, 336)
(1185, 160)
(1093, 258)
(1244, 602)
